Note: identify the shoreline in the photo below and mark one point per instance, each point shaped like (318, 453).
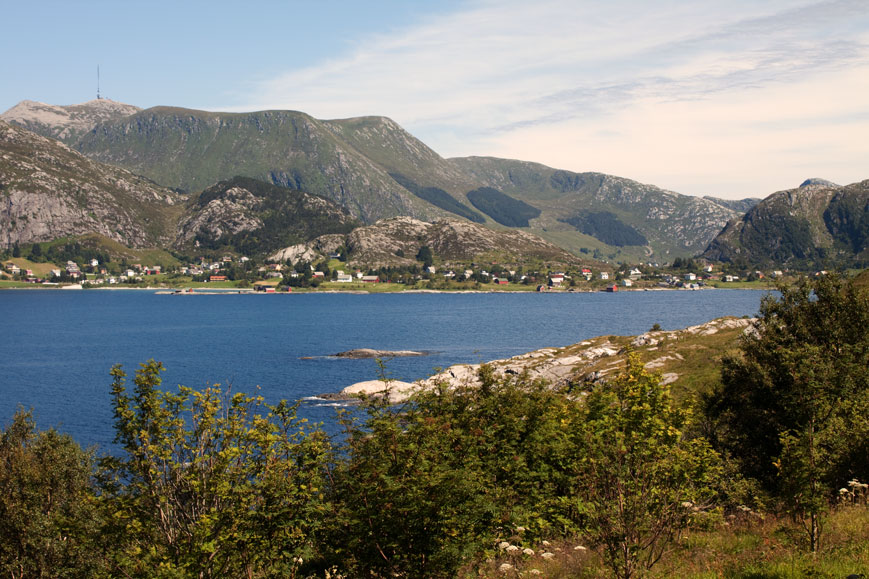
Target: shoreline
(245, 291)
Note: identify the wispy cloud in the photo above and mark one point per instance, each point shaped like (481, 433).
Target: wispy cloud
(555, 80)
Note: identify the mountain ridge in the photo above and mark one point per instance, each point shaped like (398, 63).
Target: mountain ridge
(376, 169)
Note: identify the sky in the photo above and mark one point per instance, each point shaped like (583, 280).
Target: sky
(731, 98)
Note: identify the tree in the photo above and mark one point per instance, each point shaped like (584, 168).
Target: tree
(210, 485)
(47, 509)
(640, 475)
(16, 250)
(793, 403)
(425, 256)
(433, 482)
(35, 252)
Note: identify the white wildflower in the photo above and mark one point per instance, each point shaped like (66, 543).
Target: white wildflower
(503, 545)
(512, 548)
(580, 548)
(687, 504)
(545, 543)
(520, 529)
(527, 551)
(547, 555)
(505, 567)
(534, 572)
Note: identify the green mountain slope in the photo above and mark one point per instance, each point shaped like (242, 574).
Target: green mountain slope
(48, 191)
(192, 150)
(571, 203)
(376, 169)
(819, 224)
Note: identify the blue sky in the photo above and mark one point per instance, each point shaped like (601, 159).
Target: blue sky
(737, 98)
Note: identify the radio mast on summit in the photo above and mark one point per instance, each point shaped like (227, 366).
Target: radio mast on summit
(98, 82)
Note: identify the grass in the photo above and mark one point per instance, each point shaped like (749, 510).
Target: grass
(752, 547)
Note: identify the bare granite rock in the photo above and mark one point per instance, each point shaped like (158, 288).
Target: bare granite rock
(360, 353)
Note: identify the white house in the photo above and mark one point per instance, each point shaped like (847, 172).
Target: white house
(627, 282)
(690, 276)
(635, 274)
(604, 275)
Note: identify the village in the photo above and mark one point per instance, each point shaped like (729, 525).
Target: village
(244, 273)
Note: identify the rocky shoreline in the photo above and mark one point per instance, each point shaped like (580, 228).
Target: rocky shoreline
(587, 362)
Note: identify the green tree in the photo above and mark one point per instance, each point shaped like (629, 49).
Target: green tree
(431, 483)
(16, 250)
(793, 404)
(640, 475)
(47, 508)
(210, 484)
(35, 252)
(425, 256)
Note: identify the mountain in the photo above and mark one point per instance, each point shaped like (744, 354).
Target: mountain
(578, 208)
(376, 169)
(192, 150)
(251, 217)
(396, 242)
(49, 191)
(817, 224)
(66, 123)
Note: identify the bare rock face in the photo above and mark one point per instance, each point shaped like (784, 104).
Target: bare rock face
(230, 214)
(360, 353)
(49, 191)
(385, 242)
(66, 123)
(295, 253)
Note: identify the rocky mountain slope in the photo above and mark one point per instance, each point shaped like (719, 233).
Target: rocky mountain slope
(66, 123)
(616, 211)
(251, 217)
(48, 191)
(396, 242)
(817, 224)
(376, 169)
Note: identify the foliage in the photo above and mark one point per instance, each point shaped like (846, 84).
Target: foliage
(425, 256)
(502, 208)
(793, 404)
(640, 474)
(209, 485)
(439, 198)
(607, 227)
(47, 509)
(436, 481)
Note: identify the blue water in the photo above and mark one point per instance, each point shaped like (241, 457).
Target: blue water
(58, 346)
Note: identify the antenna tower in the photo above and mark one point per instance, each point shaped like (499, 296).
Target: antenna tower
(98, 82)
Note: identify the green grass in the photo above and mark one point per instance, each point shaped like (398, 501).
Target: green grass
(751, 548)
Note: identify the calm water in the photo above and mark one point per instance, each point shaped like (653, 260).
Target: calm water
(58, 346)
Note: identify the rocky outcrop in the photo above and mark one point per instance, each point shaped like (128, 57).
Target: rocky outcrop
(49, 191)
(229, 215)
(818, 224)
(396, 242)
(581, 365)
(241, 213)
(66, 123)
(361, 353)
